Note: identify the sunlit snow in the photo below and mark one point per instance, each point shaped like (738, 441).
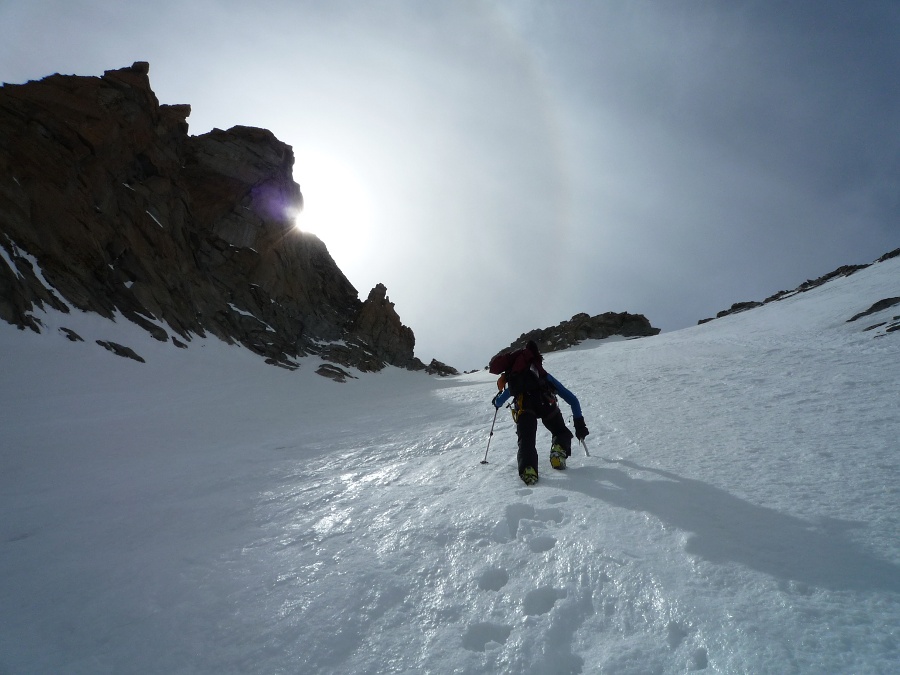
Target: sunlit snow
(206, 513)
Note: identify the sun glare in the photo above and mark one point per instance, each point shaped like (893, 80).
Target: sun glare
(337, 206)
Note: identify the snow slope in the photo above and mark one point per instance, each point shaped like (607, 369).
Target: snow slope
(206, 513)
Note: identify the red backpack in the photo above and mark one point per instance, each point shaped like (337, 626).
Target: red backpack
(502, 362)
(515, 368)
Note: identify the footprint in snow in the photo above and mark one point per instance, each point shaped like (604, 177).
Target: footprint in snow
(675, 634)
(541, 544)
(493, 579)
(515, 513)
(479, 635)
(541, 600)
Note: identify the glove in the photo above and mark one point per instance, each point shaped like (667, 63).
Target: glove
(494, 400)
(581, 429)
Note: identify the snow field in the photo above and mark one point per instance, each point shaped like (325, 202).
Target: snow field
(206, 513)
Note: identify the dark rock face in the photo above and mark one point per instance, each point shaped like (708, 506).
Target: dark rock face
(71, 335)
(107, 205)
(379, 324)
(120, 350)
(879, 306)
(585, 327)
(891, 325)
(735, 309)
(442, 369)
(332, 372)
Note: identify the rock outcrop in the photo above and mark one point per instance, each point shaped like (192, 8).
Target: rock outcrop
(583, 327)
(379, 324)
(107, 205)
(890, 324)
(442, 369)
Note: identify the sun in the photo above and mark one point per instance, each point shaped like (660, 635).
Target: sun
(337, 205)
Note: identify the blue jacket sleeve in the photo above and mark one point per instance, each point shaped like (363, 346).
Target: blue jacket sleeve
(566, 396)
(501, 398)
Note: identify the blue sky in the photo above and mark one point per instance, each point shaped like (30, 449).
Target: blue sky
(501, 166)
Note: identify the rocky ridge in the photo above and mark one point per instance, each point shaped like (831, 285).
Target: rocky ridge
(809, 284)
(107, 205)
(583, 327)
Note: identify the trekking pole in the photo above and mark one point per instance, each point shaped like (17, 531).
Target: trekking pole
(584, 445)
(484, 461)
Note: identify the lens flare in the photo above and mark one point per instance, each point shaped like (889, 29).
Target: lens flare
(337, 204)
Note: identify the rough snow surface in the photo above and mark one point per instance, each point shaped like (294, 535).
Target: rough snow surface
(206, 513)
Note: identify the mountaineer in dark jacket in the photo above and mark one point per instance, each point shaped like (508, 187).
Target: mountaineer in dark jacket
(534, 392)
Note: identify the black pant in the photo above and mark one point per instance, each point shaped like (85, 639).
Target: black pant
(526, 430)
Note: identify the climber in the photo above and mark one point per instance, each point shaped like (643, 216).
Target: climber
(534, 391)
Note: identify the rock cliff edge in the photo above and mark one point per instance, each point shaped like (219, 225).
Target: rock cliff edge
(107, 205)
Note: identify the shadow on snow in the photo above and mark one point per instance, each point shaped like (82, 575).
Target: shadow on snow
(728, 529)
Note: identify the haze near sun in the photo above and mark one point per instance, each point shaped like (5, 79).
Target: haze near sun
(337, 205)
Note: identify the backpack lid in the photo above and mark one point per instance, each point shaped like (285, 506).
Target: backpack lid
(518, 360)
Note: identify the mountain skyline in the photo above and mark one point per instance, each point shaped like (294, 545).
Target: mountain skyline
(516, 163)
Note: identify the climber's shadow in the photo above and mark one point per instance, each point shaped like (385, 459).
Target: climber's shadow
(726, 528)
